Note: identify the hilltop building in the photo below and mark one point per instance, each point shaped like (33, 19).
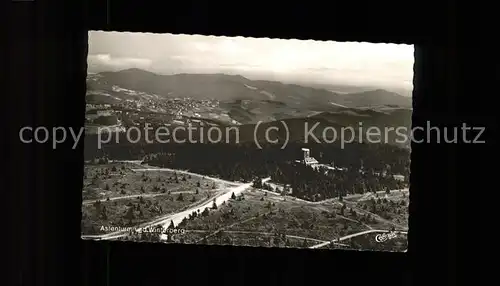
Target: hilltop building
(312, 162)
(307, 159)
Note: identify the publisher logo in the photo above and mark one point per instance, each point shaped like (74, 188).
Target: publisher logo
(383, 237)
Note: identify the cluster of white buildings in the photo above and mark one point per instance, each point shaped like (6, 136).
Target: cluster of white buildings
(307, 159)
(311, 161)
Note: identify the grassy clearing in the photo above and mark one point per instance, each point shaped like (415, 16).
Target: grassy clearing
(393, 209)
(137, 201)
(119, 180)
(131, 212)
(264, 214)
(233, 238)
(256, 239)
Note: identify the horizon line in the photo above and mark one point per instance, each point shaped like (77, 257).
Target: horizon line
(290, 82)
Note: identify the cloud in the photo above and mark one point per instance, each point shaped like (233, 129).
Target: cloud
(321, 61)
(107, 61)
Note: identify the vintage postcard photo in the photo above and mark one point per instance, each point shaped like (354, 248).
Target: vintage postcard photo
(193, 139)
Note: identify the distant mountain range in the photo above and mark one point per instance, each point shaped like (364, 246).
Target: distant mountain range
(224, 87)
(248, 101)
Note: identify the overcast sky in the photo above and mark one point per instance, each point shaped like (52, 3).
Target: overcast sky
(351, 63)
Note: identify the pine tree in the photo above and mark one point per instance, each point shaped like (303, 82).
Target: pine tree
(104, 213)
(353, 213)
(342, 209)
(205, 212)
(304, 243)
(130, 214)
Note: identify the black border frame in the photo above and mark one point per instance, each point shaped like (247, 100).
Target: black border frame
(46, 79)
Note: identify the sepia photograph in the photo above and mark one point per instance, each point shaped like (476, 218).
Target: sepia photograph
(256, 142)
